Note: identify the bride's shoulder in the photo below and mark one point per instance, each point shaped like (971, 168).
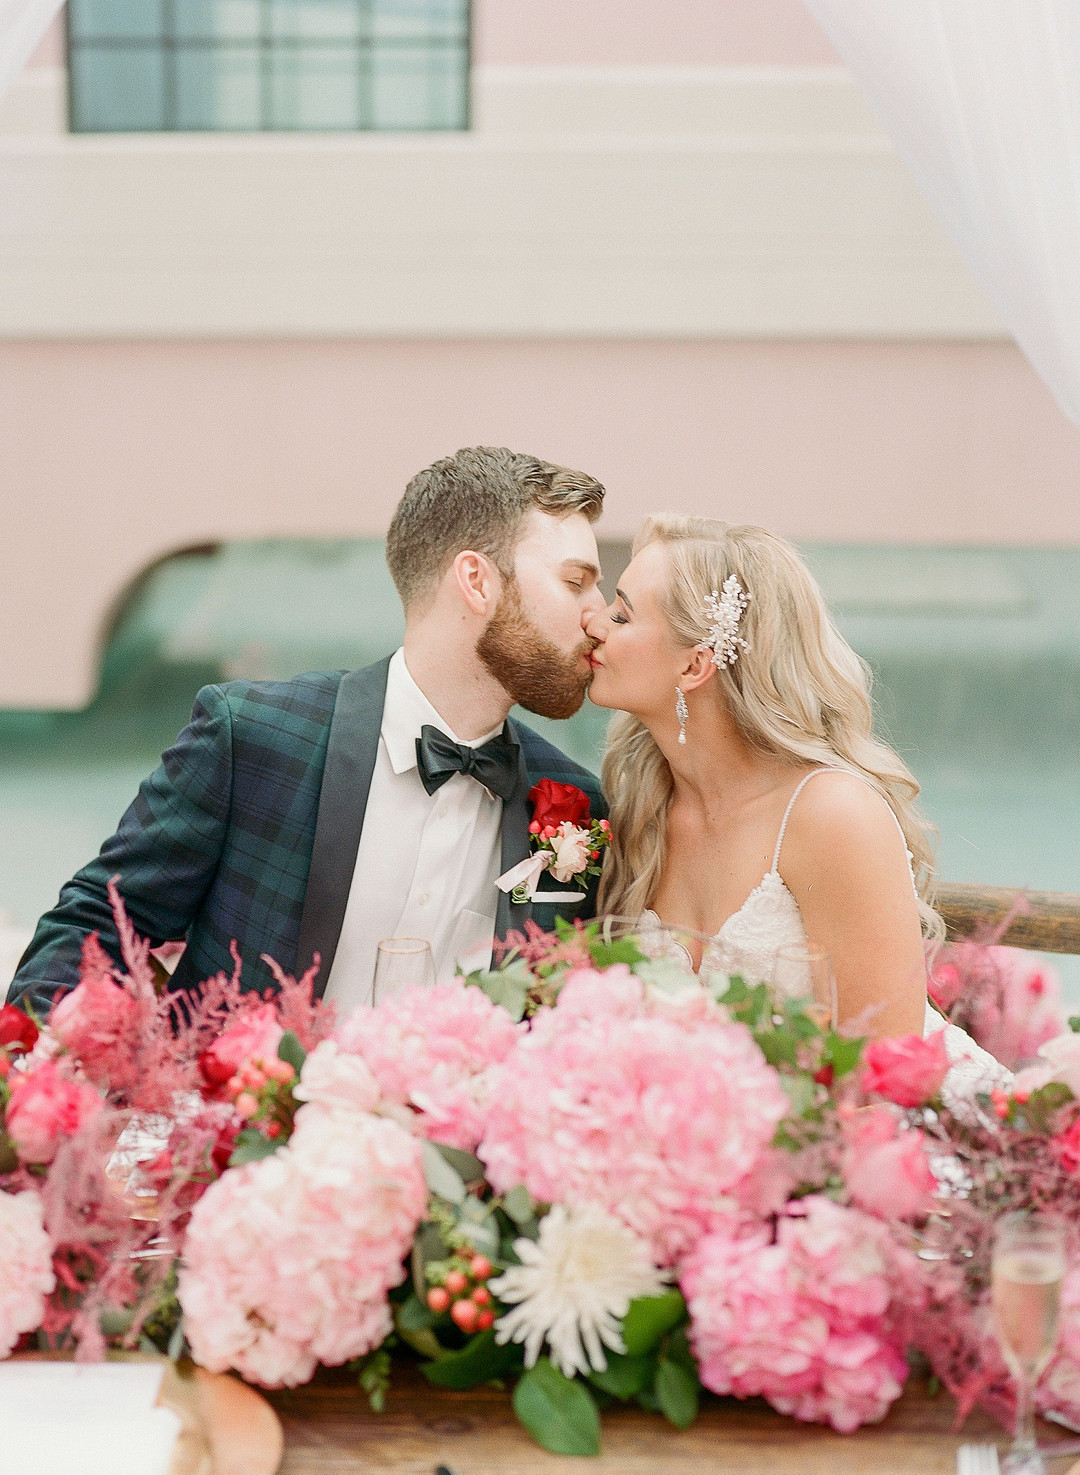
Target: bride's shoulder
(838, 817)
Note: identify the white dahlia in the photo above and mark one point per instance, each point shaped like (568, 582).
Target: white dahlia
(573, 1288)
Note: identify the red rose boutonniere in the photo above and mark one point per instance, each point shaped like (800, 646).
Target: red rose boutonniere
(570, 843)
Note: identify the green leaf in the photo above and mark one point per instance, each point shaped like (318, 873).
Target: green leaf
(841, 1053)
(479, 1361)
(251, 1146)
(676, 1392)
(507, 987)
(114, 1321)
(1043, 1103)
(9, 1158)
(622, 950)
(412, 1315)
(440, 1177)
(467, 1164)
(625, 1377)
(778, 1045)
(1074, 1023)
(291, 1051)
(750, 1005)
(649, 1318)
(519, 1205)
(558, 1412)
(801, 1092)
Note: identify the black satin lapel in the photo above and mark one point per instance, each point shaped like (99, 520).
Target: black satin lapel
(350, 762)
(515, 847)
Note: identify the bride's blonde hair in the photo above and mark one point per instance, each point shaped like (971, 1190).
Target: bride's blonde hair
(799, 691)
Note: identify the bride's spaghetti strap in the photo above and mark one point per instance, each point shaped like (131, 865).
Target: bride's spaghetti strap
(798, 790)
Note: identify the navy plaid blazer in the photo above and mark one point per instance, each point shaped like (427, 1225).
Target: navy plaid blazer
(249, 830)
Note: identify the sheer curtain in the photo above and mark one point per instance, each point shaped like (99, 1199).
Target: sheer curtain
(982, 100)
(22, 25)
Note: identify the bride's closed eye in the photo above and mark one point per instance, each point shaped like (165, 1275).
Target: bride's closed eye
(618, 619)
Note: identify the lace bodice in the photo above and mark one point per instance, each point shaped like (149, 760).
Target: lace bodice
(770, 919)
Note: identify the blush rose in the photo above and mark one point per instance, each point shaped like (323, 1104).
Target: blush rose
(909, 1070)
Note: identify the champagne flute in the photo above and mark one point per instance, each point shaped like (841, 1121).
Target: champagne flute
(805, 972)
(399, 962)
(1027, 1270)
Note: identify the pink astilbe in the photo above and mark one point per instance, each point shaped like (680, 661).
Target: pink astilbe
(804, 1321)
(431, 1049)
(288, 1261)
(1008, 1000)
(651, 1117)
(26, 1274)
(535, 946)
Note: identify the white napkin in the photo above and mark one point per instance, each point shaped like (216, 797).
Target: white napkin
(67, 1418)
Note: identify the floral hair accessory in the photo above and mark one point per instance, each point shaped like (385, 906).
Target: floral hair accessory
(724, 610)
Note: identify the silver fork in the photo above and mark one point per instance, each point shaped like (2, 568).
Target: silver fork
(977, 1459)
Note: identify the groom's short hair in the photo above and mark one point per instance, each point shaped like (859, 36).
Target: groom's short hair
(477, 499)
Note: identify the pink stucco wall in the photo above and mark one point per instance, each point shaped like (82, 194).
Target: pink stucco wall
(698, 33)
(112, 454)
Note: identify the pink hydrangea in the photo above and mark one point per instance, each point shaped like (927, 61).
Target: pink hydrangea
(45, 1107)
(651, 1116)
(333, 1080)
(288, 1261)
(430, 1049)
(26, 1273)
(802, 1321)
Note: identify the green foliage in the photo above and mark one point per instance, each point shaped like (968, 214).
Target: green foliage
(649, 1318)
(559, 1412)
(481, 1360)
(625, 1377)
(676, 1389)
(1042, 1104)
(841, 1053)
(373, 1375)
(250, 1146)
(1074, 1023)
(508, 986)
(291, 1051)
(750, 1005)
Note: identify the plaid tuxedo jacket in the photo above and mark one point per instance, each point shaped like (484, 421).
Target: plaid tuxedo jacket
(249, 830)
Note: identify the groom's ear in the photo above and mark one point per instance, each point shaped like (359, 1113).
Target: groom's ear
(697, 669)
(477, 581)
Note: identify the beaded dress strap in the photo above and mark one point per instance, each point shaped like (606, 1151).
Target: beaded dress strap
(802, 784)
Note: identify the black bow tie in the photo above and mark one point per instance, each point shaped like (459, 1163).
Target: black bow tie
(495, 765)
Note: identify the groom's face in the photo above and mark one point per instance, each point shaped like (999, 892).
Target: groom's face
(535, 643)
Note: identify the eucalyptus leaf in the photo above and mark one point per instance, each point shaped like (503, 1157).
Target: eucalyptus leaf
(467, 1164)
(519, 1205)
(291, 1051)
(479, 1361)
(250, 1147)
(558, 1411)
(649, 1318)
(676, 1392)
(441, 1178)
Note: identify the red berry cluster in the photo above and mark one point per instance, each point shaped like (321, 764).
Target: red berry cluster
(463, 1292)
(261, 1092)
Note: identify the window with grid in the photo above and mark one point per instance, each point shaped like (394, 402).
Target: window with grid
(253, 65)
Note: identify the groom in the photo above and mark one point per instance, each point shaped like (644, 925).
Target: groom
(318, 815)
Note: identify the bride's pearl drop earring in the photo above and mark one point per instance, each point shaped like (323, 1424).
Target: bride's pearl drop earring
(681, 714)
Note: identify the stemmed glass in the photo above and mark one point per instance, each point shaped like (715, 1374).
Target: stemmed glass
(399, 962)
(804, 971)
(1027, 1270)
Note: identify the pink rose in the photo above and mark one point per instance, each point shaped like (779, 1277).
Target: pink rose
(886, 1170)
(46, 1106)
(909, 1070)
(254, 1037)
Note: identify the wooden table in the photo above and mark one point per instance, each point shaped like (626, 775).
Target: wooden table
(329, 1430)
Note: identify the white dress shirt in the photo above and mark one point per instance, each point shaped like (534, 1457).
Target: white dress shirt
(427, 863)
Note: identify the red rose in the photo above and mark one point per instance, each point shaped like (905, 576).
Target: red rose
(17, 1028)
(908, 1071)
(554, 804)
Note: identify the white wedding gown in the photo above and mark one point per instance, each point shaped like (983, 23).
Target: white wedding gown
(769, 919)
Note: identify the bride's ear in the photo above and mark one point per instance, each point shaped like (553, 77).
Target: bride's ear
(698, 668)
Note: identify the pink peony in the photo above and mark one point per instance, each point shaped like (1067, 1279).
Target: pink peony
(255, 1036)
(886, 1170)
(45, 1107)
(802, 1322)
(430, 1049)
(288, 1261)
(908, 1071)
(652, 1117)
(26, 1274)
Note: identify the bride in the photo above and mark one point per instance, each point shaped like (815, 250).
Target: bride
(750, 801)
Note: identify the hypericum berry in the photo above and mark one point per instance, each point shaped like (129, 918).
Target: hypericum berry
(246, 1105)
(279, 1070)
(438, 1299)
(825, 1076)
(5, 1065)
(465, 1315)
(274, 1129)
(234, 1085)
(604, 825)
(456, 1282)
(482, 1296)
(534, 828)
(484, 1320)
(479, 1267)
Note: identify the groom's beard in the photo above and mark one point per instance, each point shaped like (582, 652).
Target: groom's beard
(529, 667)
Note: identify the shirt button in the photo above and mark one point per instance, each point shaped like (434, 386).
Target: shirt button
(423, 898)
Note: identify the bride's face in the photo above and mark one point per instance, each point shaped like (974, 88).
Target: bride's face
(636, 663)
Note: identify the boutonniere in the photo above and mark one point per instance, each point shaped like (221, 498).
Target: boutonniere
(566, 841)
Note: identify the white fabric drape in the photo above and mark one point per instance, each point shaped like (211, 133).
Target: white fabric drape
(982, 100)
(22, 25)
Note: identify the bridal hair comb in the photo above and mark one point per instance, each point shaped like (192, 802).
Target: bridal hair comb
(724, 611)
